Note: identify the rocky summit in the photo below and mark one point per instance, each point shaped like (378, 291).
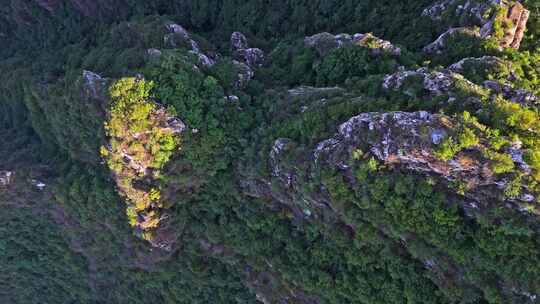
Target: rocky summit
(319, 152)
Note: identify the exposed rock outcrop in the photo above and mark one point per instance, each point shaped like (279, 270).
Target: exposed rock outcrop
(407, 140)
(504, 21)
(246, 59)
(5, 178)
(238, 41)
(521, 96)
(252, 57)
(94, 87)
(38, 184)
(377, 45)
(452, 83)
(453, 34)
(326, 42)
(410, 140)
(513, 23)
(178, 36)
(435, 82)
(473, 12)
(484, 62)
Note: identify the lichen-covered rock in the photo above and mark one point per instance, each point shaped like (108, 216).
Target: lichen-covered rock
(202, 59)
(435, 82)
(377, 45)
(252, 57)
(521, 96)
(94, 87)
(177, 29)
(246, 59)
(324, 43)
(173, 40)
(410, 140)
(238, 41)
(179, 37)
(485, 62)
(441, 43)
(467, 12)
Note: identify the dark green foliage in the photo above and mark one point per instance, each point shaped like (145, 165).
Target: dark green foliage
(360, 231)
(38, 266)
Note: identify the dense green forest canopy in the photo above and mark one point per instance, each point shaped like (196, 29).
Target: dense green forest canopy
(224, 151)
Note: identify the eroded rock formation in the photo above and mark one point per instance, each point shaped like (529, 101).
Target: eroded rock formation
(326, 42)
(246, 59)
(505, 21)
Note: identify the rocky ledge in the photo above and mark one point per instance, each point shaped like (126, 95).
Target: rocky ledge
(323, 43)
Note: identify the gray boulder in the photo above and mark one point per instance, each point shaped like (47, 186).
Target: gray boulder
(246, 59)
(5, 178)
(94, 87)
(521, 96)
(245, 74)
(238, 41)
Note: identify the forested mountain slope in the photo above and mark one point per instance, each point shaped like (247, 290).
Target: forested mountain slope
(270, 151)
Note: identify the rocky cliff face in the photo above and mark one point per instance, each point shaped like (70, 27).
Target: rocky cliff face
(143, 135)
(503, 20)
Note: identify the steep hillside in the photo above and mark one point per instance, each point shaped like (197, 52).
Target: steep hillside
(270, 152)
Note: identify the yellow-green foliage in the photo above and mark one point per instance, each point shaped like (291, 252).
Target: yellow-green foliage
(501, 162)
(466, 138)
(130, 108)
(135, 124)
(500, 24)
(139, 140)
(447, 149)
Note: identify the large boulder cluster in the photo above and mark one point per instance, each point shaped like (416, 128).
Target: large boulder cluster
(178, 36)
(246, 59)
